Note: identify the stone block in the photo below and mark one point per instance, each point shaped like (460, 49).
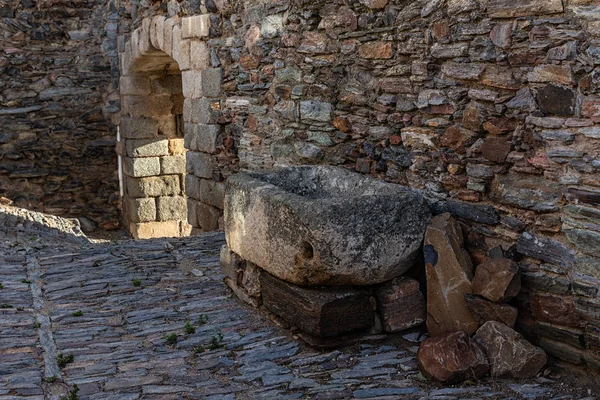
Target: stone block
(207, 138)
(145, 46)
(212, 193)
(463, 71)
(497, 280)
(204, 83)
(192, 214)
(375, 50)
(554, 309)
(137, 85)
(199, 55)
(168, 26)
(484, 310)
(316, 111)
(591, 108)
(157, 32)
(546, 249)
(138, 128)
(562, 74)
(169, 208)
(562, 351)
(176, 147)
(166, 84)
(195, 27)
(192, 186)
(452, 357)
(449, 273)
(203, 111)
(147, 147)
(208, 217)
(199, 164)
(172, 165)
(526, 192)
(318, 312)
(294, 224)
(141, 210)
(149, 230)
(140, 167)
(167, 126)
(525, 8)
(401, 304)
(154, 186)
(146, 106)
(510, 354)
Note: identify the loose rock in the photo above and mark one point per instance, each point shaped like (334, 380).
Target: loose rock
(452, 357)
(509, 353)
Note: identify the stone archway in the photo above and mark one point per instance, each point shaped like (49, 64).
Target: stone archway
(167, 131)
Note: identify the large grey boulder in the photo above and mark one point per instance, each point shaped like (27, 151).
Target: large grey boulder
(320, 225)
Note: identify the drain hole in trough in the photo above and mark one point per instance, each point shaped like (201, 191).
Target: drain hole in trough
(306, 250)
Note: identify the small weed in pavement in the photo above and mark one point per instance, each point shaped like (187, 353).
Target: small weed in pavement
(1, 285)
(72, 394)
(137, 282)
(216, 341)
(37, 324)
(63, 360)
(4, 305)
(171, 339)
(50, 379)
(27, 281)
(77, 313)
(202, 319)
(189, 328)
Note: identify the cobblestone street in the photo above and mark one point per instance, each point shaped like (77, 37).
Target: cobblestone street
(152, 320)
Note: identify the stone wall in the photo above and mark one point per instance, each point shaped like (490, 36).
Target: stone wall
(59, 69)
(491, 108)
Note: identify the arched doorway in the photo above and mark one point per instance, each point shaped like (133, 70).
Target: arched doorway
(167, 133)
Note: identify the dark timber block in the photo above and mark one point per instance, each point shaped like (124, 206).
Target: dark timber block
(322, 312)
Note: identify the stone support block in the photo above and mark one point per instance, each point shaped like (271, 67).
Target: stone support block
(195, 27)
(154, 186)
(138, 128)
(172, 165)
(204, 83)
(147, 148)
(181, 49)
(199, 164)
(146, 106)
(140, 167)
(158, 229)
(401, 304)
(138, 85)
(318, 312)
(231, 263)
(141, 210)
(171, 208)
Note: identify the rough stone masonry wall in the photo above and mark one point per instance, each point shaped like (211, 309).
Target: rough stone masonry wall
(57, 62)
(492, 108)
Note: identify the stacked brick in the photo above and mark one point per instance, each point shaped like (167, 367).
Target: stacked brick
(166, 91)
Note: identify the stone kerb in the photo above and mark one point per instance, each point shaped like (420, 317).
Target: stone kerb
(166, 80)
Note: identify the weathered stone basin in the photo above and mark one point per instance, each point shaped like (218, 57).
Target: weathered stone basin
(321, 225)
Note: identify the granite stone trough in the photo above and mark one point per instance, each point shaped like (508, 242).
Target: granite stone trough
(319, 230)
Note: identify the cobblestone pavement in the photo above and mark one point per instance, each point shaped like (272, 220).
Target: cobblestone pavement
(153, 320)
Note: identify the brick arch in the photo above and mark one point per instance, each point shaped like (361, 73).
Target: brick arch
(167, 131)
